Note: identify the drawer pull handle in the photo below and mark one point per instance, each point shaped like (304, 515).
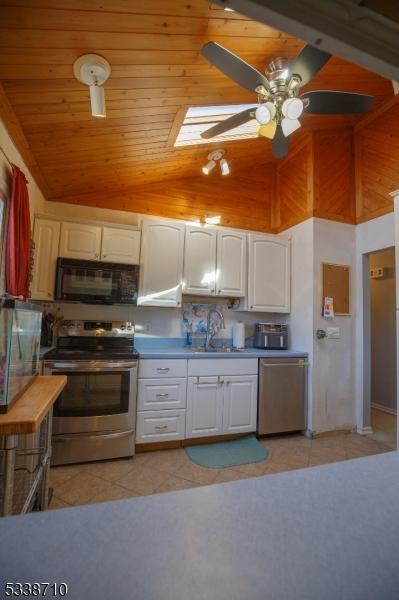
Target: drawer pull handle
(162, 395)
(163, 369)
(161, 427)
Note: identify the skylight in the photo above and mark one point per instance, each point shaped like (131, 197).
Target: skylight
(201, 118)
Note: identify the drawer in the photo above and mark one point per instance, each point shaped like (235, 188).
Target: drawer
(163, 367)
(160, 394)
(160, 425)
(222, 366)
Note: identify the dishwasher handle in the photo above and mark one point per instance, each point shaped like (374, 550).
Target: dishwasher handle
(296, 364)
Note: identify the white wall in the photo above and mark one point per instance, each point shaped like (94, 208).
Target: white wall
(300, 319)
(373, 235)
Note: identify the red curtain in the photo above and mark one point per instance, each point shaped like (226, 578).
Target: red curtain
(18, 237)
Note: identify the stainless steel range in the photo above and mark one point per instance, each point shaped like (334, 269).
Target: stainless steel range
(94, 417)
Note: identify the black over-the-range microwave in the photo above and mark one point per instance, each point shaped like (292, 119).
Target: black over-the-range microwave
(95, 282)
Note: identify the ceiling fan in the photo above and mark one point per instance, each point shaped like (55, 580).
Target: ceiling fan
(279, 101)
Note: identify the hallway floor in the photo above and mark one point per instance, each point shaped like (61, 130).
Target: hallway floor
(171, 470)
(384, 428)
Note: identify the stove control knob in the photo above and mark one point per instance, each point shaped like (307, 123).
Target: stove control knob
(122, 327)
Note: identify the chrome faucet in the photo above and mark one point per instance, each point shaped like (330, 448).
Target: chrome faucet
(212, 327)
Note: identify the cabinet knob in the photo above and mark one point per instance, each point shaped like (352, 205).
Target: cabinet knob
(219, 291)
(104, 256)
(251, 306)
(96, 256)
(49, 294)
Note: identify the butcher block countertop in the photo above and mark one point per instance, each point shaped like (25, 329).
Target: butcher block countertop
(29, 410)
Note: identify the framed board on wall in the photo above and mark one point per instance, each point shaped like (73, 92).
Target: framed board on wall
(336, 285)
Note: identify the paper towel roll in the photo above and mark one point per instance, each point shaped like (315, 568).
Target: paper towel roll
(239, 335)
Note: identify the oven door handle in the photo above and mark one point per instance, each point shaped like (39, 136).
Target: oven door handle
(62, 438)
(94, 366)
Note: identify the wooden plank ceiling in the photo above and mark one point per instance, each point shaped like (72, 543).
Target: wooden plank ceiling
(153, 47)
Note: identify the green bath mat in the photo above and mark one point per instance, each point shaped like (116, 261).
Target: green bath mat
(228, 454)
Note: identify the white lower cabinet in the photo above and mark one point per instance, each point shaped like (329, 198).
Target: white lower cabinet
(223, 403)
(204, 407)
(218, 397)
(240, 403)
(161, 400)
(160, 425)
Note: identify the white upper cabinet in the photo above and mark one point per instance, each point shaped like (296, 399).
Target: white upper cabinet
(269, 274)
(200, 261)
(231, 263)
(79, 240)
(46, 238)
(120, 245)
(161, 263)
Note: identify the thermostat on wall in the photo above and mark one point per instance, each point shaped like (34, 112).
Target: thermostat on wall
(377, 273)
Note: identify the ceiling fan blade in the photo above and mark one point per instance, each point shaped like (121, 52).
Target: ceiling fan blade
(269, 130)
(230, 123)
(279, 144)
(234, 67)
(326, 102)
(308, 63)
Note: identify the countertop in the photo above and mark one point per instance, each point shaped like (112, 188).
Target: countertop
(175, 348)
(328, 532)
(26, 414)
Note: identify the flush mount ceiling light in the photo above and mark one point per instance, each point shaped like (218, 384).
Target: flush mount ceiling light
(93, 70)
(213, 158)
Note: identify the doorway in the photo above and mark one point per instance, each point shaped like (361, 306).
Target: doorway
(383, 397)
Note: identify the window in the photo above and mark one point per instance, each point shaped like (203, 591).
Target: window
(201, 118)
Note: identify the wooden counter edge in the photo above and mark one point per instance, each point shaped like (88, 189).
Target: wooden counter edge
(29, 410)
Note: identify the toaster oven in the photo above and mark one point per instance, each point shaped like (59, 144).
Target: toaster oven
(271, 336)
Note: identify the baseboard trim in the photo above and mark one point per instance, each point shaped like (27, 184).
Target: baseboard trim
(364, 430)
(329, 432)
(385, 409)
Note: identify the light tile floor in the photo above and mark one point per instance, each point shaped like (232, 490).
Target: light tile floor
(170, 470)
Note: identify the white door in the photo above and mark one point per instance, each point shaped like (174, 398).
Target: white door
(200, 261)
(79, 240)
(231, 263)
(204, 407)
(161, 263)
(46, 237)
(269, 274)
(240, 403)
(120, 245)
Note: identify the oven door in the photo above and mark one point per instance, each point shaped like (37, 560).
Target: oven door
(99, 396)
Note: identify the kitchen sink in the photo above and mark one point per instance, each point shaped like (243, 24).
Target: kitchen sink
(198, 349)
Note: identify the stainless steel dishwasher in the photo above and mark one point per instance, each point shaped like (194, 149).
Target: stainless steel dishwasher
(282, 395)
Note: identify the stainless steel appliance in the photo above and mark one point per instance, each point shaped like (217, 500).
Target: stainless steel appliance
(95, 415)
(20, 326)
(282, 395)
(271, 336)
(95, 282)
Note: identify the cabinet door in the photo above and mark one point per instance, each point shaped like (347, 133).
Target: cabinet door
(200, 261)
(46, 237)
(161, 264)
(240, 403)
(269, 274)
(204, 407)
(120, 246)
(231, 263)
(79, 240)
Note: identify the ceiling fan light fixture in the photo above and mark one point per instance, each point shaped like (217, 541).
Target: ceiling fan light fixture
(265, 113)
(289, 126)
(208, 167)
(292, 108)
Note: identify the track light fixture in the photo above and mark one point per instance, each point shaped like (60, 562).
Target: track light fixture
(93, 70)
(213, 158)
